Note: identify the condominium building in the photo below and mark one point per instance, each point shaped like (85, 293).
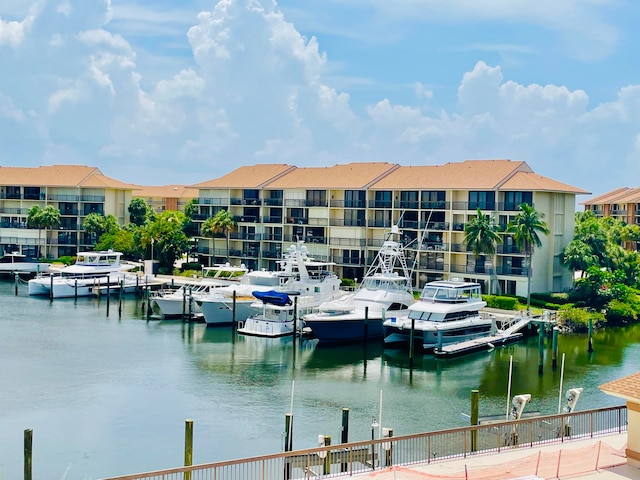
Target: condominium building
(74, 190)
(165, 197)
(343, 213)
(622, 204)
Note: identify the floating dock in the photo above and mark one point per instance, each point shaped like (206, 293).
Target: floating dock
(478, 344)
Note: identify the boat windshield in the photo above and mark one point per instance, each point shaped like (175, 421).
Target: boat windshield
(457, 295)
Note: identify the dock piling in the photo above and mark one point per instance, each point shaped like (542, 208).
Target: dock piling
(28, 453)
(188, 447)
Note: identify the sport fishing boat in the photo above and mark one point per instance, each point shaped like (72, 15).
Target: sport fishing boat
(298, 272)
(447, 312)
(91, 270)
(386, 291)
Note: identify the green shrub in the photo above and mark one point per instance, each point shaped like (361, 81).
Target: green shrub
(191, 266)
(502, 303)
(67, 260)
(550, 298)
(347, 282)
(620, 313)
(577, 319)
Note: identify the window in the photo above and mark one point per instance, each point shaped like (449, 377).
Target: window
(13, 192)
(433, 199)
(32, 193)
(354, 198)
(383, 199)
(409, 199)
(482, 200)
(512, 200)
(354, 218)
(316, 198)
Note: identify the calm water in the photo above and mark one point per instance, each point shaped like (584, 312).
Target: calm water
(109, 395)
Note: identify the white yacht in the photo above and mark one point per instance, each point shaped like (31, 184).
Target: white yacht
(386, 291)
(184, 299)
(17, 263)
(279, 313)
(298, 273)
(91, 270)
(447, 312)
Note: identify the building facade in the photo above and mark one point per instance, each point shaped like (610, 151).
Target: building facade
(75, 191)
(166, 197)
(343, 214)
(622, 204)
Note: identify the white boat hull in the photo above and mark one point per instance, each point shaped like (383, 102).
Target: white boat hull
(61, 287)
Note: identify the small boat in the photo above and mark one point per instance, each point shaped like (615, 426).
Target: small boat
(386, 291)
(91, 270)
(448, 312)
(15, 262)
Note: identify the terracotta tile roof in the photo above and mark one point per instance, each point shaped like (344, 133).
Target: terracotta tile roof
(609, 197)
(533, 181)
(165, 191)
(470, 174)
(626, 387)
(253, 176)
(348, 176)
(75, 176)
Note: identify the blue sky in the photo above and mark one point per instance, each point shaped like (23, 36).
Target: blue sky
(160, 92)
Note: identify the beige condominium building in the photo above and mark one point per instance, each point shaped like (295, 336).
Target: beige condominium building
(622, 204)
(74, 190)
(165, 197)
(343, 213)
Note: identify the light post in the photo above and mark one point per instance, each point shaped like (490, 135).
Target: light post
(374, 425)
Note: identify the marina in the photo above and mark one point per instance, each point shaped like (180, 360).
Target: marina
(127, 384)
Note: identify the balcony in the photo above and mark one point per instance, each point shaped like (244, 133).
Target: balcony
(339, 222)
(514, 271)
(437, 205)
(213, 201)
(272, 219)
(246, 219)
(348, 203)
(273, 202)
(379, 223)
(297, 220)
(347, 242)
(342, 260)
(271, 254)
(272, 237)
(474, 205)
(412, 224)
(510, 206)
(507, 249)
(379, 203)
(472, 269)
(439, 266)
(245, 236)
(441, 226)
(246, 201)
(408, 204)
(92, 198)
(316, 203)
(435, 246)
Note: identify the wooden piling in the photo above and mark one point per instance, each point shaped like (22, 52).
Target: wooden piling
(233, 312)
(15, 282)
(475, 394)
(188, 447)
(75, 289)
(326, 465)
(540, 347)
(28, 454)
(344, 437)
(288, 441)
(120, 295)
(590, 342)
(554, 347)
(412, 337)
(366, 323)
(108, 294)
(51, 288)
(388, 447)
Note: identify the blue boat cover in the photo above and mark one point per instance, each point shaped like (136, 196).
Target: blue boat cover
(271, 296)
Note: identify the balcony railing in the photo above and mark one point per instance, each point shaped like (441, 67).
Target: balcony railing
(408, 204)
(273, 202)
(246, 201)
(474, 205)
(272, 219)
(437, 205)
(379, 223)
(246, 219)
(339, 222)
(507, 249)
(316, 203)
(245, 236)
(297, 220)
(348, 242)
(272, 237)
(471, 269)
(92, 198)
(380, 203)
(433, 265)
(514, 271)
(511, 206)
(342, 260)
(348, 203)
(213, 201)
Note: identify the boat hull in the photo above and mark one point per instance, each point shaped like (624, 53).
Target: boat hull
(59, 287)
(258, 327)
(220, 311)
(345, 329)
(432, 336)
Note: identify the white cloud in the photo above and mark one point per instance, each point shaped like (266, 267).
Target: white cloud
(257, 90)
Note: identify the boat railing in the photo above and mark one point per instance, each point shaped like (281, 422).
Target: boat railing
(347, 459)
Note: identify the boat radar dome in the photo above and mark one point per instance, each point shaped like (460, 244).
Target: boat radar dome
(395, 229)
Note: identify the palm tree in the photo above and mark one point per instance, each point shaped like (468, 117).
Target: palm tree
(221, 222)
(526, 227)
(34, 218)
(49, 218)
(481, 235)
